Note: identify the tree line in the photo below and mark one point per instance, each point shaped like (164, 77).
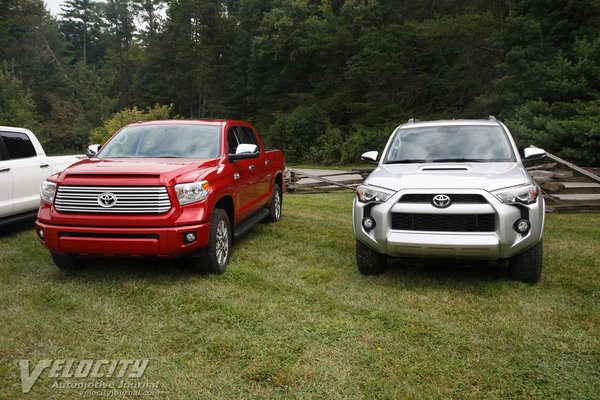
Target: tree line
(324, 80)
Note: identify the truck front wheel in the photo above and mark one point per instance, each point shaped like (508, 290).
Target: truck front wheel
(527, 266)
(68, 262)
(369, 261)
(215, 256)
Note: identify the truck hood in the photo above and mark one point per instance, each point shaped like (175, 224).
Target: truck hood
(486, 176)
(156, 171)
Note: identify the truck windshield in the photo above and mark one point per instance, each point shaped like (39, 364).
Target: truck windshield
(450, 144)
(164, 141)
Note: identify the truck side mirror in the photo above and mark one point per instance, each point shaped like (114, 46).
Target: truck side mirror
(244, 151)
(370, 157)
(533, 154)
(92, 150)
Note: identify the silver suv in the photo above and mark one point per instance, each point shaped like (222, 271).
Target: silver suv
(451, 189)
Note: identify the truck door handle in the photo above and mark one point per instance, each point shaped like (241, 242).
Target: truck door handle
(251, 168)
(267, 162)
(44, 165)
(4, 169)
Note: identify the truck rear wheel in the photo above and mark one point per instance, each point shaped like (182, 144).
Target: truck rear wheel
(68, 262)
(215, 256)
(527, 266)
(369, 261)
(275, 207)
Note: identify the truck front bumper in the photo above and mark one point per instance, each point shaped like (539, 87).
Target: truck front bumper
(501, 243)
(165, 242)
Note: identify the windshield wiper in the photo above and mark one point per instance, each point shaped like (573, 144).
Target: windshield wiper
(407, 161)
(460, 160)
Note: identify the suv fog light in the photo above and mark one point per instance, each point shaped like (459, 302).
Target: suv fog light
(189, 237)
(522, 226)
(368, 223)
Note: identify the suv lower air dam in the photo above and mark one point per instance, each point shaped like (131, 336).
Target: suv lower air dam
(444, 222)
(450, 189)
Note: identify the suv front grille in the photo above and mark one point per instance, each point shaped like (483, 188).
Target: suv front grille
(460, 198)
(128, 199)
(444, 222)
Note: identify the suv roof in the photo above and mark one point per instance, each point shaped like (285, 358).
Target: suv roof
(449, 122)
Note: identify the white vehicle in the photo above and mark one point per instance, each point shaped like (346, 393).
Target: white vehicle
(23, 167)
(451, 189)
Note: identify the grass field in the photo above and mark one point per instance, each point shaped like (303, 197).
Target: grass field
(292, 318)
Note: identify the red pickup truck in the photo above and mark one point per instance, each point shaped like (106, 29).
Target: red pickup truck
(162, 188)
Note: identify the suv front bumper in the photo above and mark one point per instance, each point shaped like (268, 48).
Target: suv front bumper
(500, 243)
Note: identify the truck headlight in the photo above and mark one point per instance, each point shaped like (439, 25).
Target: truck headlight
(47, 191)
(193, 192)
(525, 194)
(367, 194)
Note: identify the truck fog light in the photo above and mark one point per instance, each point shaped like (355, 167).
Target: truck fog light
(189, 237)
(522, 226)
(368, 223)
(41, 234)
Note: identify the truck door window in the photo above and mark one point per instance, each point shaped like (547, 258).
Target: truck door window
(18, 145)
(246, 135)
(232, 141)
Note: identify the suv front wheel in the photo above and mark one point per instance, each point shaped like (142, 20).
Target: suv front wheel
(369, 261)
(527, 266)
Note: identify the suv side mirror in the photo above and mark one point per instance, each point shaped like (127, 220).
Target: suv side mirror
(92, 150)
(244, 151)
(370, 157)
(533, 154)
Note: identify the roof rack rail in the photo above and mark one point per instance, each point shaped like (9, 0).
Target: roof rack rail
(413, 120)
(491, 118)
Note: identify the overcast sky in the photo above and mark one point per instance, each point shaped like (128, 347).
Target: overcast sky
(54, 6)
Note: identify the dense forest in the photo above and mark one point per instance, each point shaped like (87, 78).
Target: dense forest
(323, 79)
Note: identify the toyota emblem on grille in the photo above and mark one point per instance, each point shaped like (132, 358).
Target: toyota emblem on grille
(107, 200)
(441, 201)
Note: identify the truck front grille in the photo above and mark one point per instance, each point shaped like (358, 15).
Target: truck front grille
(444, 222)
(112, 200)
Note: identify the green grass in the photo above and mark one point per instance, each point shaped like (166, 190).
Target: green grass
(292, 318)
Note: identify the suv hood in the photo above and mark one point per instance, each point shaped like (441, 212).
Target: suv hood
(486, 176)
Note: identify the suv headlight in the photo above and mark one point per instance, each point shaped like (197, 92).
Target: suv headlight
(47, 191)
(525, 194)
(367, 194)
(193, 192)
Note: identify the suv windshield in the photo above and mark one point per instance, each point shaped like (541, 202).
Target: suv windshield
(454, 143)
(164, 141)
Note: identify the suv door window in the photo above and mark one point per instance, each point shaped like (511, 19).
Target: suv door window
(18, 145)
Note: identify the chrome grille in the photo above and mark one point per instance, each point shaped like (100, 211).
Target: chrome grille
(129, 199)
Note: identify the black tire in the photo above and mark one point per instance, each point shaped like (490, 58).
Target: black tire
(215, 256)
(68, 262)
(527, 266)
(276, 202)
(369, 261)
